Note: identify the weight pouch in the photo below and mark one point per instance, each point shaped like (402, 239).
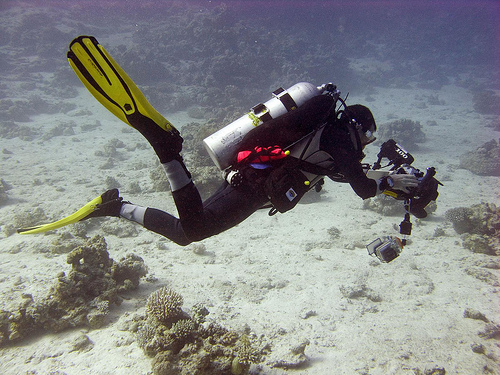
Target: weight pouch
(285, 186)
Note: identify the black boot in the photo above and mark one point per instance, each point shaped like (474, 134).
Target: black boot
(110, 206)
(167, 144)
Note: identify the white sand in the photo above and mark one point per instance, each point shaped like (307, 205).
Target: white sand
(269, 273)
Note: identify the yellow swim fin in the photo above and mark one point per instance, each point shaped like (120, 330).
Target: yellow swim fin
(73, 218)
(110, 85)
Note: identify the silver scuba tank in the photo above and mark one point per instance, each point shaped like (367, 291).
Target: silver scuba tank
(223, 144)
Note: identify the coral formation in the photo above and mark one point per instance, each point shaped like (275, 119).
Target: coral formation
(110, 150)
(484, 275)
(164, 305)
(359, 291)
(14, 111)
(433, 371)
(463, 219)
(475, 314)
(479, 244)
(334, 233)
(4, 186)
(159, 179)
(63, 129)
(388, 206)
(484, 161)
(482, 218)
(384, 205)
(404, 131)
(82, 298)
(119, 229)
(30, 218)
(199, 313)
(294, 359)
(491, 331)
(208, 177)
(479, 226)
(185, 344)
(10, 129)
(487, 102)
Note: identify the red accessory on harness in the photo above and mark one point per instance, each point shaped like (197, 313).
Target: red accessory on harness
(262, 155)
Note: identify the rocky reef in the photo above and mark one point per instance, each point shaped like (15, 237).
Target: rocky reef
(4, 186)
(187, 344)
(384, 205)
(484, 161)
(486, 102)
(388, 206)
(81, 298)
(407, 132)
(207, 176)
(479, 227)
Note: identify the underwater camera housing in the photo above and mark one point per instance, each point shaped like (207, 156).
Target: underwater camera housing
(419, 197)
(386, 249)
(396, 154)
(415, 200)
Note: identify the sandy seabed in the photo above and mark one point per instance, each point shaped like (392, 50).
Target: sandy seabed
(281, 276)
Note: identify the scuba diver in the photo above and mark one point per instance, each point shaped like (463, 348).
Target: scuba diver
(276, 162)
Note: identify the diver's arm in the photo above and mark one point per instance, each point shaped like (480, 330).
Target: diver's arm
(362, 185)
(367, 187)
(387, 180)
(403, 182)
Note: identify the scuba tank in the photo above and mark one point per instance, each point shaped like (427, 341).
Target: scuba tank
(223, 144)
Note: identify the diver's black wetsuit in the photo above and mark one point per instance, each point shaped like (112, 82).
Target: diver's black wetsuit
(226, 208)
(230, 205)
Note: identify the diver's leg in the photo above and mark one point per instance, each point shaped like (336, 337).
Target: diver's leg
(225, 209)
(194, 223)
(157, 221)
(152, 219)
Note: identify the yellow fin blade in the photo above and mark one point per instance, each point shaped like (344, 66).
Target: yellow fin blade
(109, 83)
(73, 218)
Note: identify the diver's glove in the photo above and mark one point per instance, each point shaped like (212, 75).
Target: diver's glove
(402, 182)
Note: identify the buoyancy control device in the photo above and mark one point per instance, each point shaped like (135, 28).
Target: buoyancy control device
(223, 144)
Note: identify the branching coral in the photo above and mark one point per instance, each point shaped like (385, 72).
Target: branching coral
(164, 305)
(463, 219)
(245, 356)
(482, 218)
(183, 329)
(184, 345)
(199, 313)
